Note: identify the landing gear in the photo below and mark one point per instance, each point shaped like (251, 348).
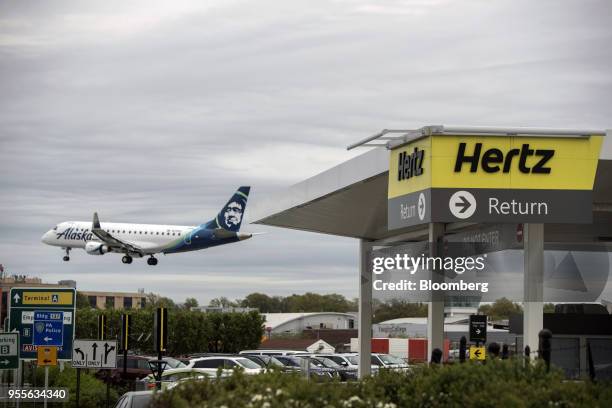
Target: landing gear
(152, 260)
(126, 259)
(66, 257)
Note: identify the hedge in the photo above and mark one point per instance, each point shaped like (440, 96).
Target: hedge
(495, 384)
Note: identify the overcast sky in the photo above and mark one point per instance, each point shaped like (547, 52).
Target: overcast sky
(155, 112)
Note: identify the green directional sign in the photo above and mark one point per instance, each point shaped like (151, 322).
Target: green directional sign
(9, 351)
(43, 316)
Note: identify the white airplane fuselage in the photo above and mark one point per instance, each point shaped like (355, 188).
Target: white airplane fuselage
(153, 238)
(139, 240)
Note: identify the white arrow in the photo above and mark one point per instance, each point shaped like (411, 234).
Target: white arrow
(47, 339)
(477, 331)
(4, 362)
(16, 297)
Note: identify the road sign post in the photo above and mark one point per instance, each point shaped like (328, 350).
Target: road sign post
(46, 356)
(160, 339)
(477, 353)
(101, 327)
(43, 317)
(126, 320)
(9, 351)
(97, 354)
(478, 328)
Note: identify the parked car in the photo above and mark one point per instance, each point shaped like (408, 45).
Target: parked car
(264, 360)
(271, 352)
(135, 399)
(344, 373)
(389, 361)
(174, 375)
(317, 370)
(226, 363)
(138, 367)
(386, 361)
(346, 360)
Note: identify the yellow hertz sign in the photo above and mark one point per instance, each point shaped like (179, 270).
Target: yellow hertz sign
(47, 298)
(498, 162)
(514, 179)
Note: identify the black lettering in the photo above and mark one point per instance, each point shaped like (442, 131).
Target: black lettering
(545, 155)
(508, 161)
(407, 166)
(462, 158)
(525, 151)
(410, 165)
(419, 169)
(400, 167)
(492, 156)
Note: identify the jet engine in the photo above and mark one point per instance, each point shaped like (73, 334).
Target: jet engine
(96, 248)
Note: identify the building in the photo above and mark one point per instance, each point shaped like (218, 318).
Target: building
(305, 345)
(295, 323)
(115, 300)
(23, 281)
(222, 309)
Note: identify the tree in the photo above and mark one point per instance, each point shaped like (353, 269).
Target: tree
(549, 308)
(501, 309)
(155, 300)
(222, 302)
(263, 303)
(190, 302)
(82, 301)
(396, 309)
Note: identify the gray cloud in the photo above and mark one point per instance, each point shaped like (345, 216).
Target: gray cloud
(155, 113)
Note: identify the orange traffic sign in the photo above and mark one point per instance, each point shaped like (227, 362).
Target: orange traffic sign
(47, 356)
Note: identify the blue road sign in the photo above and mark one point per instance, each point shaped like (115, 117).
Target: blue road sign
(25, 302)
(48, 328)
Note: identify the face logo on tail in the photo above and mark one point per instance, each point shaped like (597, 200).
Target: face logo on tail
(233, 214)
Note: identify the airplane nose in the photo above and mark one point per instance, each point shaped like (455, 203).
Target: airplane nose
(45, 238)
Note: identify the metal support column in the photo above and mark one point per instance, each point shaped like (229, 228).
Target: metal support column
(365, 310)
(435, 309)
(533, 285)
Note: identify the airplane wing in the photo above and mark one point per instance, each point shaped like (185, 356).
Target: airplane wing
(111, 241)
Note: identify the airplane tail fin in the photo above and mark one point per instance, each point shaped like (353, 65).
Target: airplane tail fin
(230, 216)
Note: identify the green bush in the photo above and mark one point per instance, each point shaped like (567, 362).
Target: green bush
(498, 383)
(93, 391)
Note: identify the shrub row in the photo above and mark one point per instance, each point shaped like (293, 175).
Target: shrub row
(497, 383)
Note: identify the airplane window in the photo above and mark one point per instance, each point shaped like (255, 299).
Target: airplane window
(55, 229)
(157, 233)
(124, 231)
(162, 233)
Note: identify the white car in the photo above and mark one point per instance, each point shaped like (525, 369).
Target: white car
(172, 376)
(386, 361)
(271, 352)
(226, 363)
(135, 399)
(346, 360)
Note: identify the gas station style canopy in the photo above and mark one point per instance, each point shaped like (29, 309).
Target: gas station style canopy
(418, 185)
(351, 199)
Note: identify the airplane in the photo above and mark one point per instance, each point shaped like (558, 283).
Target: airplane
(140, 240)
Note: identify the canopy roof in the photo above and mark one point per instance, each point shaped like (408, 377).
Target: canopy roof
(350, 199)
